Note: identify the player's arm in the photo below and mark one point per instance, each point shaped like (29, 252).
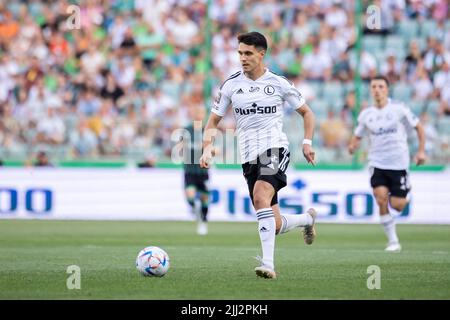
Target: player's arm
(420, 156)
(208, 139)
(355, 140)
(308, 123)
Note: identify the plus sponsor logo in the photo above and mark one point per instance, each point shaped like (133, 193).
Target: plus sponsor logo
(255, 109)
(299, 196)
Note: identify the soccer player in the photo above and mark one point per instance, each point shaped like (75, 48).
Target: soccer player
(195, 177)
(257, 96)
(388, 122)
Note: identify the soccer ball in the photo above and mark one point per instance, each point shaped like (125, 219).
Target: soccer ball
(152, 262)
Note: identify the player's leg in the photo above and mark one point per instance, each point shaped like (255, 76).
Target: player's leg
(266, 221)
(190, 193)
(288, 222)
(397, 203)
(278, 220)
(381, 182)
(263, 193)
(399, 189)
(204, 201)
(202, 228)
(381, 194)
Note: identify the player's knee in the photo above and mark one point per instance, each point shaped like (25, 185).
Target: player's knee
(382, 200)
(261, 200)
(399, 205)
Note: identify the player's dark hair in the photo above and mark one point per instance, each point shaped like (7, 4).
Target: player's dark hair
(380, 77)
(253, 39)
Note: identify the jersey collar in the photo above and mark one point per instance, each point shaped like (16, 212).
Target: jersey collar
(261, 77)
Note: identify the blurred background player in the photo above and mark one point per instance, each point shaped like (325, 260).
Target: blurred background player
(257, 96)
(195, 177)
(388, 123)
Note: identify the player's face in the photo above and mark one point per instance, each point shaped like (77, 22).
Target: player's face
(249, 56)
(379, 89)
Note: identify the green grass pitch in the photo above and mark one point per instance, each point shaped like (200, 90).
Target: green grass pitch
(34, 256)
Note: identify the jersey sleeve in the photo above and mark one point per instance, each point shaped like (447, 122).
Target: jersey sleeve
(360, 128)
(221, 102)
(291, 95)
(408, 116)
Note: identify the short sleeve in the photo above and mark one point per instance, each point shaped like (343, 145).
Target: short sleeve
(360, 128)
(221, 102)
(291, 95)
(408, 116)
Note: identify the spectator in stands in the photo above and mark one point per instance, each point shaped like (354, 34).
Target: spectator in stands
(317, 64)
(149, 162)
(42, 160)
(336, 17)
(111, 90)
(304, 87)
(436, 56)
(444, 106)
(9, 28)
(411, 61)
(349, 108)
(89, 103)
(92, 61)
(83, 141)
(368, 66)
(128, 47)
(423, 87)
(300, 29)
(334, 132)
(441, 79)
(431, 135)
(391, 69)
(128, 51)
(342, 70)
(51, 129)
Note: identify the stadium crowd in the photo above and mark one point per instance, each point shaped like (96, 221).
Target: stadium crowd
(121, 83)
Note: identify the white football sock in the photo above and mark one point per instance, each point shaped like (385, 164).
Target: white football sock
(388, 223)
(291, 221)
(266, 228)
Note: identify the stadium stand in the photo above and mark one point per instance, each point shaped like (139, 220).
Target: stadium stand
(118, 86)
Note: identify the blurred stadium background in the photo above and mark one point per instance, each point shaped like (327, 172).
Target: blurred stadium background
(116, 88)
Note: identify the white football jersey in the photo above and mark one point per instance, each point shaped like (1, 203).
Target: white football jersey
(388, 128)
(258, 110)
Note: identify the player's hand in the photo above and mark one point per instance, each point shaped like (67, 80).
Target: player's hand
(420, 158)
(309, 154)
(205, 159)
(351, 148)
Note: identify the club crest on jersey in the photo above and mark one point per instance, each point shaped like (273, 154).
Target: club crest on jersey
(269, 90)
(254, 89)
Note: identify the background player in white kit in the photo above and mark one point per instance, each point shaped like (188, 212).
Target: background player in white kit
(257, 97)
(388, 123)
